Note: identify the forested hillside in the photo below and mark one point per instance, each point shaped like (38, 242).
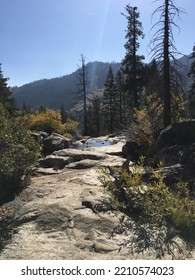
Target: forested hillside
(62, 90)
(52, 93)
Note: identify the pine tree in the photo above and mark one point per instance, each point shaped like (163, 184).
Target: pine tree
(82, 83)
(132, 65)
(110, 105)
(120, 84)
(192, 87)
(42, 109)
(5, 94)
(95, 117)
(153, 79)
(164, 51)
(63, 114)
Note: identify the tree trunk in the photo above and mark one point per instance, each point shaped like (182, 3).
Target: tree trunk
(135, 94)
(85, 101)
(166, 70)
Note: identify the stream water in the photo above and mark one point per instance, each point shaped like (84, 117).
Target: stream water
(94, 143)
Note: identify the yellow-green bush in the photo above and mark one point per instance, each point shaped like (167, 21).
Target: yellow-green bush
(153, 201)
(70, 127)
(148, 120)
(49, 121)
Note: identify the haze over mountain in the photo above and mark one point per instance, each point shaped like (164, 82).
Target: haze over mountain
(51, 93)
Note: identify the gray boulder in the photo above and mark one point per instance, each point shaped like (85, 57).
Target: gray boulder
(171, 155)
(187, 155)
(175, 144)
(132, 150)
(80, 155)
(56, 162)
(83, 164)
(55, 142)
(182, 133)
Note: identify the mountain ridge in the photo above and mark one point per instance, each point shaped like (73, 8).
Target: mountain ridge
(54, 92)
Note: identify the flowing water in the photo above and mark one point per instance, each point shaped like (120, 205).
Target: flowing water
(94, 143)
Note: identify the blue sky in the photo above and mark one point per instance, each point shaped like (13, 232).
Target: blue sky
(45, 38)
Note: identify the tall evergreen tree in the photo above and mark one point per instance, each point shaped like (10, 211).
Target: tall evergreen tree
(164, 51)
(110, 105)
(120, 84)
(5, 94)
(192, 87)
(63, 114)
(82, 83)
(153, 79)
(95, 117)
(42, 109)
(132, 65)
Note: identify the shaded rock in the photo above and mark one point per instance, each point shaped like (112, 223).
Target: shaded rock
(187, 156)
(182, 133)
(97, 206)
(132, 150)
(9, 188)
(56, 162)
(77, 155)
(43, 134)
(176, 144)
(113, 161)
(55, 217)
(46, 217)
(55, 142)
(103, 248)
(37, 137)
(173, 174)
(171, 155)
(47, 171)
(83, 164)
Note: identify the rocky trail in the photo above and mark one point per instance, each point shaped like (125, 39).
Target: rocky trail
(65, 214)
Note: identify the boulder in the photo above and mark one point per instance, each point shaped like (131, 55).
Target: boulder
(56, 162)
(55, 142)
(176, 144)
(187, 155)
(37, 137)
(77, 155)
(171, 155)
(182, 133)
(132, 150)
(83, 164)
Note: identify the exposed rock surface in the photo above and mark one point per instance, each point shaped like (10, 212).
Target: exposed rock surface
(56, 162)
(115, 149)
(67, 215)
(182, 133)
(132, 150)
(77, 155)
(55, 142)
(176, 144)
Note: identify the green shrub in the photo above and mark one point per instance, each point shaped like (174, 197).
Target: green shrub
(19, 153)
(49, 121)
(153, 201)
(148, 122)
